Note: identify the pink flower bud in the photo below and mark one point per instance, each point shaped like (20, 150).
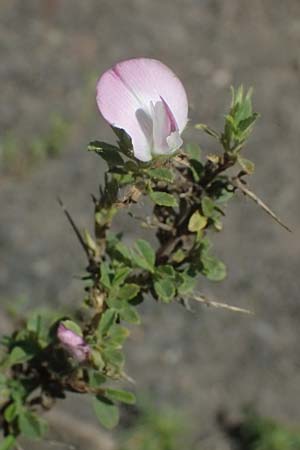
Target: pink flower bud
(145, 98)
(73, 343)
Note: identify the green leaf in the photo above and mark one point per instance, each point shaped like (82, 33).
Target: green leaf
(19, 356)
(121, 274)
(105, 280)
(213, 268)
(165, 270)
(106, 412)
(10, 412)
(8, 443)
(97, 359)
(162, 174)
(117, 335)
(3, 380)
(240, 120)
(222, 190)
(186, 283)
(33, 324)
(247, 165)
(106, 321)
(130, 315)
(128, 292)
(30, 425)
(125, 179)
(131, 166)
(163, 199)
(165, 289)
(123, 250)
(96, 379)
(114, 357)
(193, 151)
(197, 169)
(178, 256)
(144, 255)
(125, 143)
(121, 396)
(108, 152)
(208, 206)
(247, 124)
(197, 222)
(73, 327)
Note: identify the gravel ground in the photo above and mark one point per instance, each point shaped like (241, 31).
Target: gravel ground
(51, 53)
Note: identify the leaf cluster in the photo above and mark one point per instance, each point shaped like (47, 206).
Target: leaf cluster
(187, 194)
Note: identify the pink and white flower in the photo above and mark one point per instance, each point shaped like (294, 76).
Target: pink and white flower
(146, 99)
(73, 343)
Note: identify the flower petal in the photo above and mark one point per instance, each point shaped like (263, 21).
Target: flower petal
(166, 137)
(125, 93)
(121, 109)
(149, 80)
(161, 128)
(174, 141)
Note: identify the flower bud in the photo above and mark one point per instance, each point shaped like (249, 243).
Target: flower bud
(73, 343)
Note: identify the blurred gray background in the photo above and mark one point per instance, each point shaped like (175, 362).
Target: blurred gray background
(51, 53)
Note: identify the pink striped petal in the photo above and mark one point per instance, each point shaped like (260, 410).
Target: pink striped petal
(147, 100)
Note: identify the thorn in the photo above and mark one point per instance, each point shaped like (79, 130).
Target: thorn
(207, 302)
(240, 185)
(74, 227)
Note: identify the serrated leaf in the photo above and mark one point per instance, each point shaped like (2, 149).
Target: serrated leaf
(144, 255)
(165, 289)
(120, 396)
(162, 174)
(197, 222)
(163, 199)
(106, 412)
